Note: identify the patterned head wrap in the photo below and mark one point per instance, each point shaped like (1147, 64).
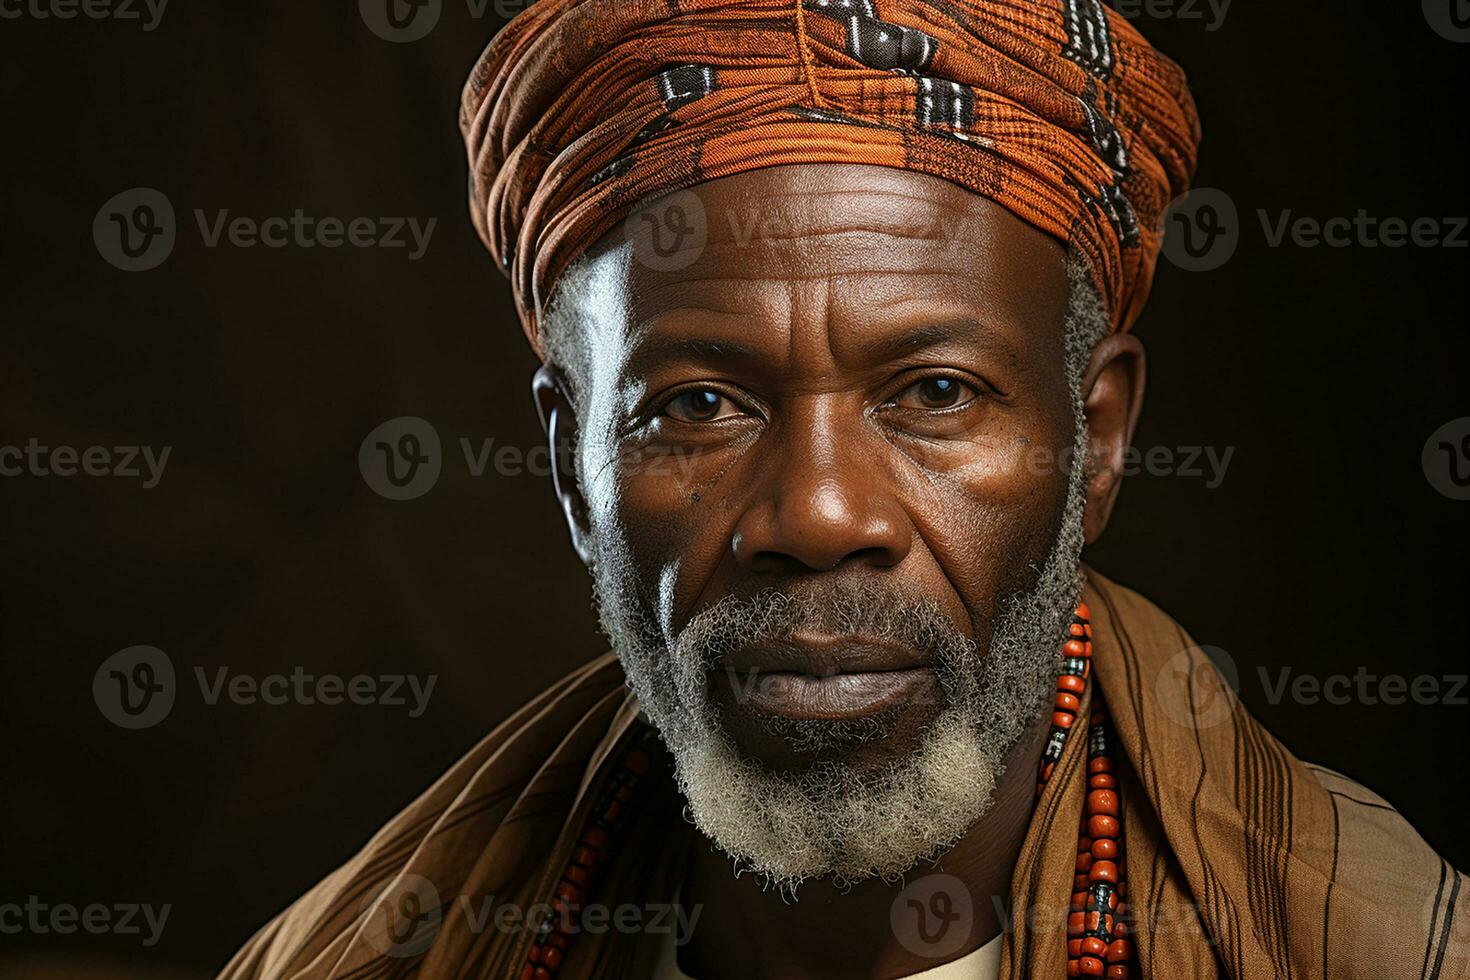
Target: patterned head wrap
(1058, 110)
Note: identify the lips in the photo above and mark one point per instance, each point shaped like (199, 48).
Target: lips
(823, 677)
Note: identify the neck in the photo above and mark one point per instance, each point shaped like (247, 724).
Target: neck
(747, 930)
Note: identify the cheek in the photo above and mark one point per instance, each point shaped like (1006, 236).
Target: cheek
(987, 509)
(674, 517)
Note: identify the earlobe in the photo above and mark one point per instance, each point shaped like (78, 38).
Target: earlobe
(559, 421)
(1112, 396)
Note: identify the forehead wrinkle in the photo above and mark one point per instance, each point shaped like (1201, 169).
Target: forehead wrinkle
(926, 231)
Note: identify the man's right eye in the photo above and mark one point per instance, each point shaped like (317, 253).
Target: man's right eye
(700, 405)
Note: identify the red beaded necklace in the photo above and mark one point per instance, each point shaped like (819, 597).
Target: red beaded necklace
(1097, 933)
(1097, 930)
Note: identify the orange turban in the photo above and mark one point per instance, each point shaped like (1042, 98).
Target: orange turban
(1057, 110)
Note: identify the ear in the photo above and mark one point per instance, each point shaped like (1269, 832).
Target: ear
(1112, 394)
(559, 422)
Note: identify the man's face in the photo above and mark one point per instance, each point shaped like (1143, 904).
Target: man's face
(822, 459)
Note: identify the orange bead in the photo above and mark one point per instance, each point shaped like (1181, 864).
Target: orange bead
(1101, 780)
(551, 956)
(1061, 719)
(1092, 946)
(1103, 871)
(1104, 849)
(1068, 702)
(1075, 923)
(1079, 883)
(1102, 801)
(1083, 612)
(1074, 648)
(1084, 861)
(1101, 764)
(1120, 951)
(1090, 966)
(1074, 948)
(1076, 629)
(1117, 972)
(1101, 825)
(1072, 683)
(1073, 969)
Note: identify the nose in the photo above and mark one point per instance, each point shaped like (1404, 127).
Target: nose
(822, 499)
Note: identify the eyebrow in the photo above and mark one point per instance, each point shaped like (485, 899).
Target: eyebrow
(656, 349)
(891, 348)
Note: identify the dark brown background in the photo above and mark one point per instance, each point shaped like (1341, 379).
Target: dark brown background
(262, 548)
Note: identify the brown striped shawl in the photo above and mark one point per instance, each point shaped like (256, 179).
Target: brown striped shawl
(1242, 860)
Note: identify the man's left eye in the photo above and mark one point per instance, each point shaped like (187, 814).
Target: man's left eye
(934, 394)
(700, 405)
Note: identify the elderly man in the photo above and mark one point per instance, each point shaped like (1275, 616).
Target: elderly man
(833, 298)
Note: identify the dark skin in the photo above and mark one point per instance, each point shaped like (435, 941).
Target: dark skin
(869, 387)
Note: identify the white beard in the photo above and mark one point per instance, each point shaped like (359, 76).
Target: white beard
(831, 819)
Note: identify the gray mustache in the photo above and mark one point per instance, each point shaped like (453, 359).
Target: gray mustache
(877, 612)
